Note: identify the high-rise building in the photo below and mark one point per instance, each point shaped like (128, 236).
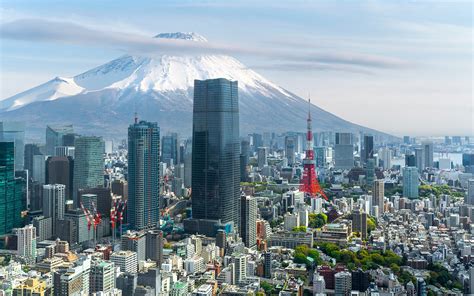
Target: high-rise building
(428, 153)
(54, 203)
(344, 151)
(215, 157)
(290, 149)
(378, 194)
(26, 243)
(420, 159)
(406, 139)
(244, 160)
(360, 280)
(55, 136)
(59, 170)
(101, 277)
(470, 192)
(410, 182)
(248, 221)
(127, 282)
(30, 151)
(267, 264)
(154, 246)
(12, 191)
(262, 157)
(410, 160)
(468, 162)
(359, 223)
(88, 164)
(143, 174)
(73, 280)
(240, 264)
(14, 132)
(367, 148)
(343, 283)
(170, 149)
(39, 168)
(385, 157)
(135, 241)
(65, 151)
(370, 172)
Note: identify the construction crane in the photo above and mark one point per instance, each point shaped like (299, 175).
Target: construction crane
(88, 218)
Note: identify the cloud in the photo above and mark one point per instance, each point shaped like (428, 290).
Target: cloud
(40, 30)
(310, 67)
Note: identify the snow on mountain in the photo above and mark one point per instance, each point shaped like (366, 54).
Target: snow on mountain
(161, 89)
(49, 91)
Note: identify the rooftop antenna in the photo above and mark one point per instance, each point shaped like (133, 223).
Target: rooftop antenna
(309, 106)
(136, 117)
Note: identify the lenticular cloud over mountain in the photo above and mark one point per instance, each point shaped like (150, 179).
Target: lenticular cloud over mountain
(160, 89)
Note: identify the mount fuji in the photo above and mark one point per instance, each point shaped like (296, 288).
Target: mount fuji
(103, 100)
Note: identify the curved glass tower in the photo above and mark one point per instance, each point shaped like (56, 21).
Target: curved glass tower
(216, 152)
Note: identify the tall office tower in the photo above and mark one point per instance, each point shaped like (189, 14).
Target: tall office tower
(385, 156)
(370, 172)
(359, 222)
(470, 192)
(143, 174)
(248, 220)
(59, 170)
(65, 151)
(26, 243)
(267, 265)
(102, 277)
(54, 203)
(367, 148)
(378, 194)
(410, 160)
(406, 139)
(257, 141)
(343, 283)
(188, 165)
(73, 228)
(468, 162)
(215, 158)
(343, 151)
(290, 149)
(240, 264)
(39, 168)
(88, 164)
(320, 156)
(12, 191)
(14, 132)
(420, 159)
(154, 246)
(30, 151)
(55, 137)
(410, 182)
(428, 149)
(169, 149)
(244, 160)
(262, 157)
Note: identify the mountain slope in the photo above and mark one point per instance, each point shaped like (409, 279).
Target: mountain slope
(104, 99)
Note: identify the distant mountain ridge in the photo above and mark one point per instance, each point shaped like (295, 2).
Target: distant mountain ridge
(102, 101)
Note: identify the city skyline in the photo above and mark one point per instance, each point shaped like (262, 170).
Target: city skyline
(391, 58)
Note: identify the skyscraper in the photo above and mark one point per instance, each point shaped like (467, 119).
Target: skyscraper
(30, 151)
(359, 222)
(410, 182)
(378, 195)
(262, 157)
(290, 149)
(244, 160)
(370, 171)
(428, 151)
(55, 137)
(59, 170)
(343, 283)
(215, 158)
(14, 132)
(143, 174)
(420, 159)
(102, 277)
(248, 225)
(154, 246)
(12, 191)
(54, 203)
(88, 164)
(26, 243)
(470, 192)
(368, 148)
(344, 151)
(169, 149)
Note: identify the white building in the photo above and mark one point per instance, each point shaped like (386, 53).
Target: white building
(127, 261)
(291, 221)
(26, 243)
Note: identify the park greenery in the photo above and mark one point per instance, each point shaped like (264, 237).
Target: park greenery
(437, 190)
(303, 253)
(317, 220)
(439, 276)
(299, 229)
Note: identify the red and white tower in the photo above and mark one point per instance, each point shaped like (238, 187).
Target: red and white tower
(309, 182)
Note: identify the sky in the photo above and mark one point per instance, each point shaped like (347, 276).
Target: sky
(402, 67)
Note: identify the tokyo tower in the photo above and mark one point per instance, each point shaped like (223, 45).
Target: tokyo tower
(309, 182)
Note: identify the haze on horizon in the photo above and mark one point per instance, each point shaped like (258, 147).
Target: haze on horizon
(401, 68)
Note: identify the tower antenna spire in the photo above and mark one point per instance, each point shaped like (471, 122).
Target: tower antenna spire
(136, 117)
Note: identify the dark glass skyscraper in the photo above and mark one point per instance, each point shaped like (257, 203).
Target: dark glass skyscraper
(216, 151)
(12, 191)
(143, 175)
(169, 149)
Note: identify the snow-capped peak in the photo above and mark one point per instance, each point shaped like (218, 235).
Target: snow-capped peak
(183, 35)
